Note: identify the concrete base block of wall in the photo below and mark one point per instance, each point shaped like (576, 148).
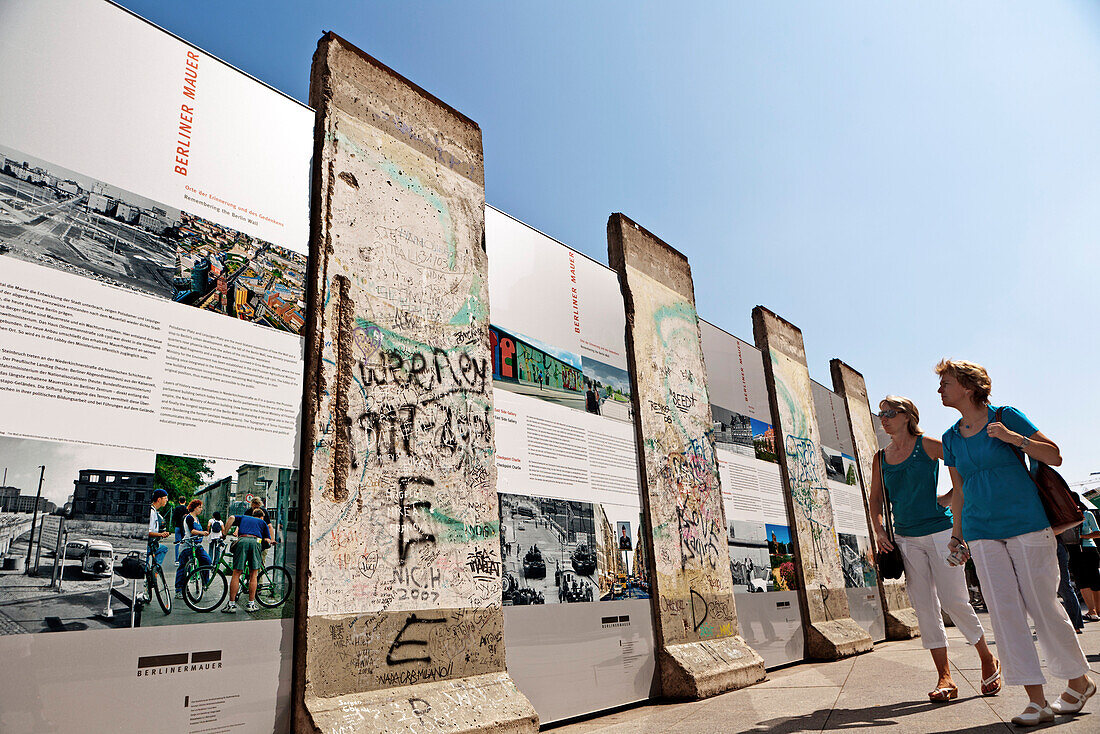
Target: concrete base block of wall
(901, 624)
(838, 638)
(482, 703)
(695, 670)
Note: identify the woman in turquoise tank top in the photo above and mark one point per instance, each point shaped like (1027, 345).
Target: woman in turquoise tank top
(997, 512)
(909, 470)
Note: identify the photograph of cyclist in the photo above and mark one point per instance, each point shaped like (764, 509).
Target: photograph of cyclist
(177, 524)
(247, 555)
(216, 530)
(156, 527)
(191, 544)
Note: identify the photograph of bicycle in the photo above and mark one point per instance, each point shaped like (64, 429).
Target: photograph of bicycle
(225, 542)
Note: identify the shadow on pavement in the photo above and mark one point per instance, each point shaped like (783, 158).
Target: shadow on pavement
(839, 719)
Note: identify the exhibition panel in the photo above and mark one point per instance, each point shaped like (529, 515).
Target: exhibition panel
(578, 628)
(762, 555)
(153, 253)
(857, 556)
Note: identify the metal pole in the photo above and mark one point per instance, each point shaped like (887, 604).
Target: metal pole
(108, 612)
(61, 571)
(34, 519)
(58, 555)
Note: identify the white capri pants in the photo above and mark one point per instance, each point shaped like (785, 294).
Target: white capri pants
(932, 583)
(1019, 578)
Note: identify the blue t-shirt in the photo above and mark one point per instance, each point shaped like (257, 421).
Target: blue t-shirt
(911, 488)
(248, 525)
(1000, 499)
(1089, 526)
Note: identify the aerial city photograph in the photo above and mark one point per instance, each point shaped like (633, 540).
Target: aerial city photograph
(55, 217)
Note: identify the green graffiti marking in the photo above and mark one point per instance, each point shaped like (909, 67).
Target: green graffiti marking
(457, 531)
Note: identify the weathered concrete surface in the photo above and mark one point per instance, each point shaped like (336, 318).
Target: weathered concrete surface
(700, 650)
(399, 623)
(830, 630)
(900, 617)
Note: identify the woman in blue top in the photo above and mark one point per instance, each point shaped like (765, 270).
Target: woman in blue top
(909, 469)
(998, 513)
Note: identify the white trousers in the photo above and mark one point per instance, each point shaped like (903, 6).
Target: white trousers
(1019, 579)
(932, 583)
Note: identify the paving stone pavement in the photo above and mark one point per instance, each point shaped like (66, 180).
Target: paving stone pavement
(885, 690)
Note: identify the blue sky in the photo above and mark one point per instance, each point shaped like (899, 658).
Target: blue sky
(904, 181)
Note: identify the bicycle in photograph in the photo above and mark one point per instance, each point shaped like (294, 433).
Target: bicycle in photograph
(207, 586)
(155, 584)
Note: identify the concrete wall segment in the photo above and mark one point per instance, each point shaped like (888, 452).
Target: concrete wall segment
(830, 630)
(849, 384)
(694, 613)
(403, 574)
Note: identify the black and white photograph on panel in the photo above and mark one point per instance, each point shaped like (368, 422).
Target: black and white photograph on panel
(549, 550)
(750, 562)
(71, 516)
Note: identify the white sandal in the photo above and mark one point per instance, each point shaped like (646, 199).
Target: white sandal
(1072, 707)
(1034, 714)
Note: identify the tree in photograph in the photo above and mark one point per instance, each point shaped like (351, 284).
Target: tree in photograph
(180, 476)
(851, 478)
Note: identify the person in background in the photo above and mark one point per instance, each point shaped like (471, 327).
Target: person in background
(251, 529)
(1084, 563)
(909, 469)
(1066, 588)
(177, 524)
(156, 528)
(258, 505)
(192, 544)
(216, 530)
(997, 513)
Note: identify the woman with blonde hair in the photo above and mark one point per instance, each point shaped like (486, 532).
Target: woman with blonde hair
(908, 469)
(999, 519)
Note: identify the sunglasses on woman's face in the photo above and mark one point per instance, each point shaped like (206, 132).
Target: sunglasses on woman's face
(892, 413)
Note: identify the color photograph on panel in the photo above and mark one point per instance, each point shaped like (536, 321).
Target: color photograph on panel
(527, 366)
(781, 557)
(59, 218)
(231, 547)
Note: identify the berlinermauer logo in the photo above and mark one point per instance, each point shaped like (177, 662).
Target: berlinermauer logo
(180, 662)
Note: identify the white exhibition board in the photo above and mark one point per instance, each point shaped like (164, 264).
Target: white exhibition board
(762, 558)
(154, 207)
(849, 511)
(578, 627)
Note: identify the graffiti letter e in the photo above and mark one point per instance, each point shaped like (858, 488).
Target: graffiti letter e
(398, 642)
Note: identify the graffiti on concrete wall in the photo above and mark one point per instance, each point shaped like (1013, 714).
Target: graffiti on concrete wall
(805, 464)
(691, 556)
(404, 531)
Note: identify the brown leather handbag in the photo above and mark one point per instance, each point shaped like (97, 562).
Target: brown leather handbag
(1062, 510)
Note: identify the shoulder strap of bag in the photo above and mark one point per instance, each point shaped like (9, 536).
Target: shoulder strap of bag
(881, 456)
(1015, 449)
